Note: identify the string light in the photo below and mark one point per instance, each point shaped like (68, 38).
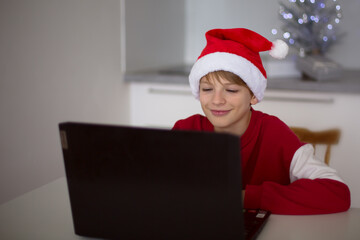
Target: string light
(286, 35)
(305, 18)
(314, 19)
(287, 15)
(310, 25)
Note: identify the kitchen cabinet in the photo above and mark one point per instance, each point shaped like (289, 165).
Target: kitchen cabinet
(161, 105)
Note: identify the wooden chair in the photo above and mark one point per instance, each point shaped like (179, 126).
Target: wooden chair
(326, 137)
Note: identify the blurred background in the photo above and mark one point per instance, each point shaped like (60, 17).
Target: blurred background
(126, 62)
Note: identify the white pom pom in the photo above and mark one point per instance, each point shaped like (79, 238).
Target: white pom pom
(279, 49)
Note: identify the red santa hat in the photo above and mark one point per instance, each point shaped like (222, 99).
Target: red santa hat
(237, 51)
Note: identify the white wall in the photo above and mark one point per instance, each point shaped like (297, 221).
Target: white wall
(203, 15)
(163, 33)
(59, 60)
(262, 16)
(155, 34)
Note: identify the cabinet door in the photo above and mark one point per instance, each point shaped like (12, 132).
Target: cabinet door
(161, 105)
(309, 109)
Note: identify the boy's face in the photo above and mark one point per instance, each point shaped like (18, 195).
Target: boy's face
(227, 105)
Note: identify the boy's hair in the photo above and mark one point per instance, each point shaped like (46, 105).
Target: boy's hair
(231, 77)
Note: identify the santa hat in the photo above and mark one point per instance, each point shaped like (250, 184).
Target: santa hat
(237, 51)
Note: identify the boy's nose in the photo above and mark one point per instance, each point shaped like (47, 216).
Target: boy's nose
(218, 98)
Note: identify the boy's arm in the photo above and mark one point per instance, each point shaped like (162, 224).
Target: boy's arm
(315, 189)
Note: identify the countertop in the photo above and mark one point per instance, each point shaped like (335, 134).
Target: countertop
(348, 83)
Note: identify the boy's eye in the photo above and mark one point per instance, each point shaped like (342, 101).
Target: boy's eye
(232, 90)
(206, 89)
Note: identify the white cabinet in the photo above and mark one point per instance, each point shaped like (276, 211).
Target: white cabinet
(311, 109)
(161, 105)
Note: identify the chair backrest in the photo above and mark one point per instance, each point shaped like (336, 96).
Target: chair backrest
(327, 137)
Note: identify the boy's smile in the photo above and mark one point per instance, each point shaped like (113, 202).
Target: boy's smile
(227, 105)
(220, 113)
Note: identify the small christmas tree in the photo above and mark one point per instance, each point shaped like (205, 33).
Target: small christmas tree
(309, 25)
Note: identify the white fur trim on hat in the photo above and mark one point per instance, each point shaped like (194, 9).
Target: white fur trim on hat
(279, 49)
(236, 64)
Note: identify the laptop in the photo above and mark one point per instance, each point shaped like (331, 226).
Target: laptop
(141, 183)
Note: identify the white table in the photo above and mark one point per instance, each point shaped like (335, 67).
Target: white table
(44, 213)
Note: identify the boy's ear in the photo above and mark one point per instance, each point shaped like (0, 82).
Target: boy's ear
(254, 100)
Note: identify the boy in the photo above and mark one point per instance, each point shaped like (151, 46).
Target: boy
(280, 173)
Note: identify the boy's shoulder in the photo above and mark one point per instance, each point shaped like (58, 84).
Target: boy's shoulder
(194, 122)
(265, 117)
(269, 122)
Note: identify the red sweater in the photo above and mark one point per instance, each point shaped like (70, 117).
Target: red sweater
(286, 178)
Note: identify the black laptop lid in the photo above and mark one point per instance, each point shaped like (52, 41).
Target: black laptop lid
(137, 183)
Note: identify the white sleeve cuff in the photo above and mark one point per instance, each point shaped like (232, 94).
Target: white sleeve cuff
(305, 165)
